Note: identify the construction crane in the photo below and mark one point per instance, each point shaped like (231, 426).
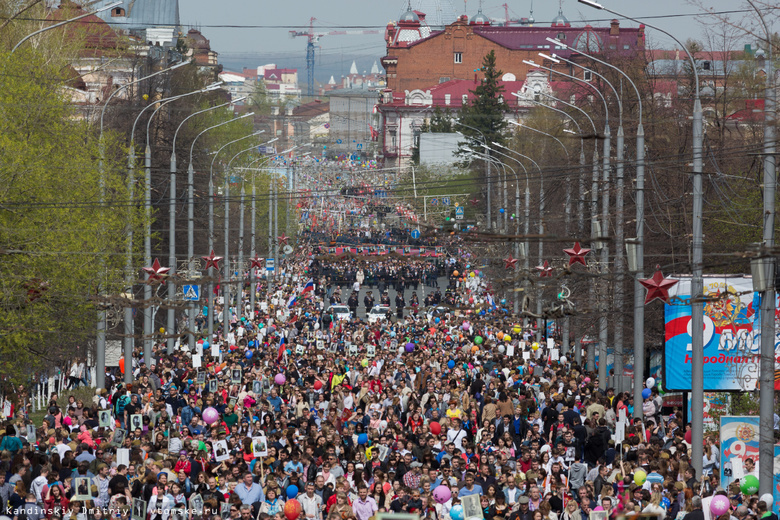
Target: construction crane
(313, 39)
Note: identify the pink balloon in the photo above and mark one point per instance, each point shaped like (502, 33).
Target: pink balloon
(719, 505)
(279, 379)
(210, 415)
(441, 494)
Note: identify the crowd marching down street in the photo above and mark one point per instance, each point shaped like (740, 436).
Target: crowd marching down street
(442, 407)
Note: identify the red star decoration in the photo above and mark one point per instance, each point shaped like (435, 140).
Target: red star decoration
(212, 260)
(283, 239)
(577, 254)
(545, 271)
(474, 202)
(156, 272)
(256, 263)
(657, 286)
(510, 262)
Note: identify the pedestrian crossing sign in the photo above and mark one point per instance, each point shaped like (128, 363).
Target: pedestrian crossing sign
(191, 292)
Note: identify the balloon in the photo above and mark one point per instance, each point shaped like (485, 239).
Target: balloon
(688, 436)
(562, 360)
(646, 393)
(456, 513)
(249, 354)
(534, 346)
(465, 325)
(516, 329)
(455, 273)
(474, 349)
(410, 347)
(719, 505)
(639, 477)
(364, 362)
(665, 503)
(650, 383)
(478, 340)
(501, 349)
(431, 344)
(292, 491)
(500, 335)
(362, 439)
(749, 485)
(279, 379)
(292, 509)
(507, 338)
(162, 330)
(450, 364)
(441, 494)
(586, 380)
(317, 385)
(768, 499)
(210, 415)
(206, 344)
(437, 319)
(435, 429)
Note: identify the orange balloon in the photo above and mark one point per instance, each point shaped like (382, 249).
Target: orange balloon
(292, 509)
(474, 349)
(500, 335)
(455, 273)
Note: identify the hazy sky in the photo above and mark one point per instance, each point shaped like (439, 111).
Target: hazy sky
(241, 44)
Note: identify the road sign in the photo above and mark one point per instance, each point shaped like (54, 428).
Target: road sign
(446, 201)
(415, 234)
(459, 213)
(269, 264)
(434, 202)
(360, 146)
(191, 292)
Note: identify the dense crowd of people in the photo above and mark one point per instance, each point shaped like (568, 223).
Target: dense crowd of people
(293, 413)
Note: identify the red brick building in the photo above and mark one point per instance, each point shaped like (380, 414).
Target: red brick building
(418, 58)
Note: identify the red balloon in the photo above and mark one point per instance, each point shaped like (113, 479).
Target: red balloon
(688, 436)
(292, 509)
(435, 428)
(317, 385)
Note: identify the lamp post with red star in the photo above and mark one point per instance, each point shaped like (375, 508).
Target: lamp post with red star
(545, 271)
(657, 286)
(510, 263)
(156, 272)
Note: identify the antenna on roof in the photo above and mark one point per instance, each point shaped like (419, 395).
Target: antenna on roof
(531, 17)
(409, 5)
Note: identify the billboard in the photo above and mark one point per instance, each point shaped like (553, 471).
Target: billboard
(732, 335)
(738, 440)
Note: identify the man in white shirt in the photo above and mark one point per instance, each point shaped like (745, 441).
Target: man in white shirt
(311, 503)
(457, 435)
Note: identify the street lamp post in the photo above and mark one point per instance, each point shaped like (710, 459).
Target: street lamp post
(226, 292)
(191, 224)
(487, 174)
(619, 224)
(639, 309)
(100, 357)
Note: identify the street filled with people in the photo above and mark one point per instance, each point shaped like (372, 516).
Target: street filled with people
(297, 411)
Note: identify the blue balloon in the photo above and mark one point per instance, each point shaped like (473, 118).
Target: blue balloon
(646, 393)
(456, 513)
(450, 364)
(437, 319)
(249, 354)
(665, 503)
(206, 344)
(292, 491)
(362, 439)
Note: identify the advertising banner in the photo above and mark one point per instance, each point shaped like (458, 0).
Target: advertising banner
(732, 335)
(738, 441)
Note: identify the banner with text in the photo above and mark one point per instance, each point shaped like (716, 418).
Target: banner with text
(732, 335)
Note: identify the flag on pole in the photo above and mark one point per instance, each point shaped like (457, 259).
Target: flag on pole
(308, 287)
(281, 349)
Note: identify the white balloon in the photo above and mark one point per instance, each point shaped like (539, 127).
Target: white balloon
(562, 359)
(501, 349)
(650, 383)
(768, 499)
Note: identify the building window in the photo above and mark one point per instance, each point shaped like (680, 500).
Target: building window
(706, 65)
(587, 75)
(561, 36)
(117, 11)
(458, 57)
(444, 79)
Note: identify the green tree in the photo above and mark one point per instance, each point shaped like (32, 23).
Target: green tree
(487, 110)
(63, 216)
